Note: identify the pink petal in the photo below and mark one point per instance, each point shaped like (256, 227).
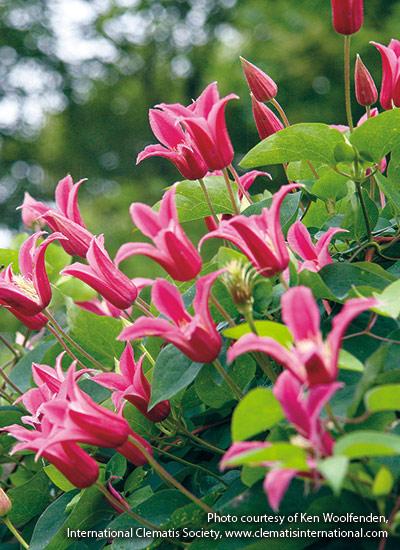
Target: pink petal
(300, 241)
(300, 313)
(322, 246)
(276, 484)
(168, 300)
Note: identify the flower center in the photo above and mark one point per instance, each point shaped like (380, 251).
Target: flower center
(26, 286)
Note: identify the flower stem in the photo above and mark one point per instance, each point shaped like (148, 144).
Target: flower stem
(167, 477)
(191, 465)
(8, 381)
(347, 95)
(72, 341)
(230, 192)
(208, 200)
(222, 311)
(365, 213)
(239, 184)
(9, 346)
(13, 530)
(237, 392)
(283, 282)
(148, 354)
(64, 345)
(281, 112)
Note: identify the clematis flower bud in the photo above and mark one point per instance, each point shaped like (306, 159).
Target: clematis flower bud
(261, 85)
(366, 92)
(5, 504)
(266, 121)
(347, 16)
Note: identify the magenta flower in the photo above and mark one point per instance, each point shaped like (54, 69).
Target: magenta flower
(172, 249)
(390, 89)
(32, 212)
(195, 336)
(133, 386)
(347, 16)
(312, 360)
(266, 121)
(366, 92)
(315, 256)
(104, 276)
(259, 237)
(261, 85)
(65, 219)
(302, 410)
(177, 146)
(28, 293)
(72, 461)
(204, 121)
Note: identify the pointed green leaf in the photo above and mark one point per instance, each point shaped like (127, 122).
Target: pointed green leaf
(367, 443)
(334, 470)
(383, 398)
(378, 136)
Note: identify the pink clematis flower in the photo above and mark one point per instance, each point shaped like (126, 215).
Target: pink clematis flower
(204, 121)
(28, 293)
(195, 336)
(172, 249)
(65, 219)
(390, 88)
(259, 237)
(302, 410)
(133, 386)
(315, 256)
(70, 459)
(32, 212)
(104, 276)
(266, 121)
(177, 146)
(312, 360)
(347, 16)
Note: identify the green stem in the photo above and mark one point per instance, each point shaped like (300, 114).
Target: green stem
(185, 432)
(64, 345)
(191, 465)
(230, 192)
(148, 355)
(8, 381)
(167, 477)
(208, 200)
(283, 282)
(261, 359)
(347, 95)
(15, 532)
(237, 392)
(365, 213)
(222, 311)
(239, 183)
(72, 341)
(9, 346)
(143, 309)
(331, 415)
(281, 112)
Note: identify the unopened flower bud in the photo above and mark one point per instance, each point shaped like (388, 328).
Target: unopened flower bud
(5, 504)
(366, 92)
(347, 16)
(261, 85)
(266, 121)
(239, 279)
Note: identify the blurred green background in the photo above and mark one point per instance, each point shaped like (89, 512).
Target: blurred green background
(77, 79)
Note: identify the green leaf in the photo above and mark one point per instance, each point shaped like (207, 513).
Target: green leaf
(389, 300)
(10, 415)
(172, 372)
(329, 185)
(22, 372)
(75, 289)
(278, 332)
(347, 361)
(29, 499)
(214, 391)
(139, 423)
(50, 522)
(316, 284)
(287, 455)
(90, 508)
(314, 142)
(251, 474)
(157, 510)
(191, 203)
(56, 259)
(383, 398)
(377, 136)
(390, 190)
(288, 210)
(340, 278)
(383, 482)
(226, 255)
(58, 479)
(258, 411)
(8, 257)
(367, 443)
(116, 466)
(102, 343)
(334, 470)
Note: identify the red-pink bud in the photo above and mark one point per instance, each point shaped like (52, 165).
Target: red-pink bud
(366, 92)
(261, 85)
(347, 16)
(266, 121)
